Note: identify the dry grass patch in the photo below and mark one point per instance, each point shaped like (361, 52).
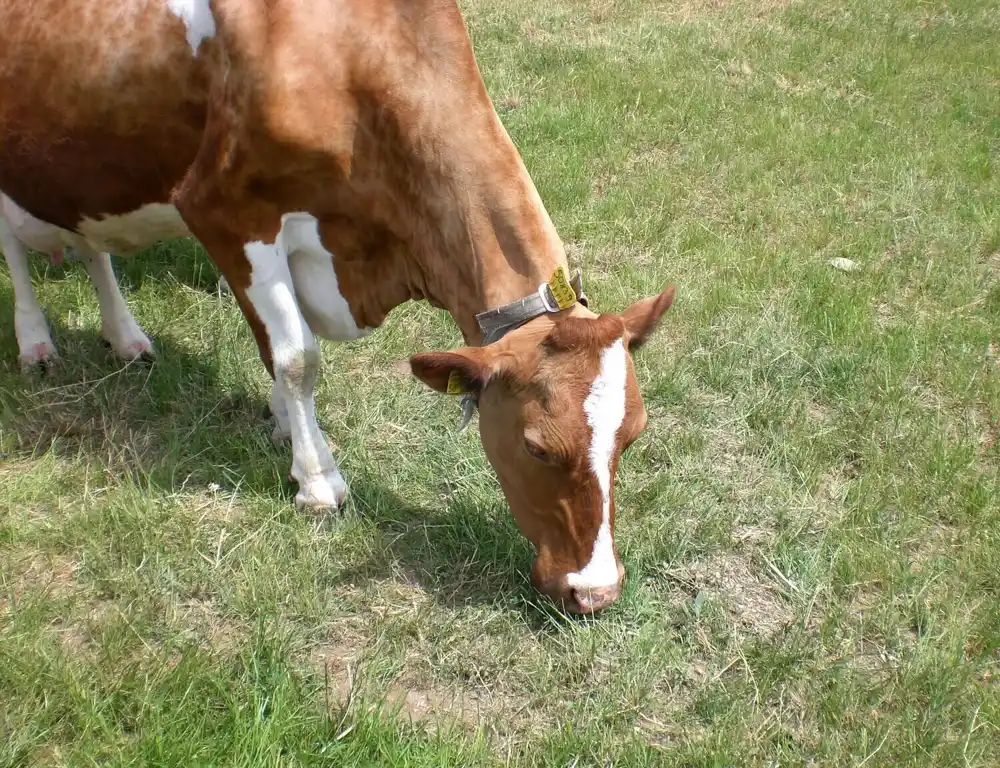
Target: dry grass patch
(44, 574)
(201, 622)
(754, 604)
(351, 675)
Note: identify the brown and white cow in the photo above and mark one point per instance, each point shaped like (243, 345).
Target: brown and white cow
(337, 158)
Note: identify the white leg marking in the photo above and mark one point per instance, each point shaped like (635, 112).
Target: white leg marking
(282, 426)
(34, 343)
(197, 17)
(605, 410)
(296, 365)
(118, 327)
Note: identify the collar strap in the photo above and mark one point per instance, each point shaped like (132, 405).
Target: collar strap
(552, 297)
(497, 323)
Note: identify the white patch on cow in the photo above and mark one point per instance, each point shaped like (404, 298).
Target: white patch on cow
(38, 235)
(134, 231)
(197, 18)
(605, 411)
(285, 276)
(316, 287)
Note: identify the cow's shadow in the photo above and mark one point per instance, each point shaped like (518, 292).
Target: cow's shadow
(183, 260)
(172, 424)
(463, 554)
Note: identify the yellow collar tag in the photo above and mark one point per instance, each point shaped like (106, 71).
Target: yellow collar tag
(455, 385)
(562, 291)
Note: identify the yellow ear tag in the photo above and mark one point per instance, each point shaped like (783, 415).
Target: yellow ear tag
(455, 385)
(563, 292)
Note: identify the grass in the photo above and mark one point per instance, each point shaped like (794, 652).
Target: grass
(811, 522)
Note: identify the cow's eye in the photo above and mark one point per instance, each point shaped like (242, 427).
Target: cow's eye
(536, 450)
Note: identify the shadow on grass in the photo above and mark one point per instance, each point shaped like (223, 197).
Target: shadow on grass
(183, 261)
(171, 425)
(167, 423)
(464, 554)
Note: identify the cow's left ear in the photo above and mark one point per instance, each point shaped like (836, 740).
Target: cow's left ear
(462, 370)
(642, 318)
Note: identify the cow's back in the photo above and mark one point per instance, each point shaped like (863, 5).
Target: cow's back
(103, 106)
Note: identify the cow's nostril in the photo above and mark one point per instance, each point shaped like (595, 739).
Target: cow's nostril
(578, 602)
(591, 600)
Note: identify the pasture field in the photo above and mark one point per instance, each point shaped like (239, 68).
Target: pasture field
(810, 523)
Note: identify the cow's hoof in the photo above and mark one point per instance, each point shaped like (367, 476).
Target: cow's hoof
(144, 354)
(322, 493)
(130, 345)
(135, 352)
(41, 359)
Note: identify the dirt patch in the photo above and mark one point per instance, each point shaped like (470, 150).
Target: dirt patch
(989, 439)
(754, 534)
(600, 184)
(51, 573)
(77, 635)
(661, 157)
(733, 460)
(603, 10)
(993, 265)
(201, 621)
(342, 667)
(753, 603)
(425, 705)
(56, 577)
(338, 664)
(883, 315)
(939, 540)
(818, 414)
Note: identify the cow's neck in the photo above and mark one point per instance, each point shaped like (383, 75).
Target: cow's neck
(511, 248)
(494, 243)
(449, 212)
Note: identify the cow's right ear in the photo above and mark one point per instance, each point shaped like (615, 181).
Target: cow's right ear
(460, 371)
(642, 318)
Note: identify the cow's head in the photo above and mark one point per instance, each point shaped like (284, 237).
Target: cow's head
(558, 404)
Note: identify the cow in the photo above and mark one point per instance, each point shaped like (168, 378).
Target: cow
(337, 158)
(19, 231)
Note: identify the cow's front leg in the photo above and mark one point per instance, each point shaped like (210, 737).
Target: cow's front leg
(295, 358)
(279, 412)
(261, 281)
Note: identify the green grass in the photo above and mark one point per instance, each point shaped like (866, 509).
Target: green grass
(811, 522)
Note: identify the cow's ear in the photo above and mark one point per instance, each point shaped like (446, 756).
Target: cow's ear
(642, 318)
(462, 370)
